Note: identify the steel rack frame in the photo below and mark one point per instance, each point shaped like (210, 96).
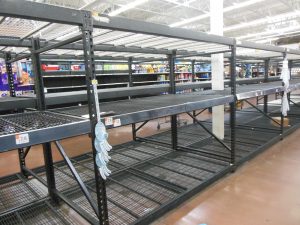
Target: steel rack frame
(265, 89)
(87, 22)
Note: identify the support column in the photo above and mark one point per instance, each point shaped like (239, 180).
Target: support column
(193, 71)
(290, 65)
(217, 66)
(174, 137)
(130, 78)
(41, 105)
(290, 68)
(233, 104)
(193, 80)
(266, 79)
(94, 111)
(10, 74)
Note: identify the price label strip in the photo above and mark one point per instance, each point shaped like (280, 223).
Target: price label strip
(22, 138)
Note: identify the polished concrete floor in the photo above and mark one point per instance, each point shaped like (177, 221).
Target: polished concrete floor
(265, 190)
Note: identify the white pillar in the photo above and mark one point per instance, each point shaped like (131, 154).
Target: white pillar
(217, 66)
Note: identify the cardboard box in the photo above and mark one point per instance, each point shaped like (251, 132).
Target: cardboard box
(286, 121)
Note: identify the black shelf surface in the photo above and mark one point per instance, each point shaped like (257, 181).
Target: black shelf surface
(47, 126)
(142, 109)
(41, 127)
(147, 179)
(255, 90)
(11, 103)
(59, 98)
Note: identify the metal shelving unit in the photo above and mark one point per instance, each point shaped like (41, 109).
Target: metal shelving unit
(140, 168)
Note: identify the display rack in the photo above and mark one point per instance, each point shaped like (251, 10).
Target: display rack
(162, 167)
(96, 195)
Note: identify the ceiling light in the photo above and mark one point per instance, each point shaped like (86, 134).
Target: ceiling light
(280, 17)
(67, 35)
(206, 15)
(127, 7)
(241, 5)
(279, 31)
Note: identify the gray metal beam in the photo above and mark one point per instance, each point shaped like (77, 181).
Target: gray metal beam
(58, 44)
(55, 14)
(292, 51)
(46, 57)
(38, 11)
(18, 42)
(129, 25)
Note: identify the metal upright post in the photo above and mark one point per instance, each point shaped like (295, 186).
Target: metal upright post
(10, 75)
(193, 71)
(130, 80)
(290, 71)
(266, 78)
(172, 77)
(282, 93)
(173, 91)
(193, 80)
(233, 104)
(94, 111)
(290, 68)
(12, 93)
(41, 105)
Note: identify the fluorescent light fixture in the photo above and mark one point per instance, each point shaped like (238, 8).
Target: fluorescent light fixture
(183, 22)
(206, 15)
(280, 17)
(277, 31)
(275, 36)
(127, 7)
(67, 35)
(241, 5)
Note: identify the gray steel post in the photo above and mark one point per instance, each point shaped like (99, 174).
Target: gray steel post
(290, 68)
(173, 91)
(233, 104)
(266, 79)
(39, 89)
(193, 80)
(10, 74)
(91, 81)
(130, 77)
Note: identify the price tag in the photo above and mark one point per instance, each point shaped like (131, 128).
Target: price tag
(108, 121)
(22, 138)
(117, 122)
(94, 82)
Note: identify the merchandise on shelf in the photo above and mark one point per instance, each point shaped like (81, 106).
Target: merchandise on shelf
(23, 78)
(62, 67)
(115, 67)
(149, 68)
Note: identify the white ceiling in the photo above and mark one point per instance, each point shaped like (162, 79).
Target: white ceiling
(263, 21)
(270, 18)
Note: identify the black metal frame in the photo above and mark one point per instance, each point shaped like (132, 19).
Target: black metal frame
(86, 22)
(100, 207)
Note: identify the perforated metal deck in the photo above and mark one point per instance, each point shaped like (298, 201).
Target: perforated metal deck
(146, 177)
(41, 127)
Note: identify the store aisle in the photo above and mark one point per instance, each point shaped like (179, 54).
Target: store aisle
(265, 190)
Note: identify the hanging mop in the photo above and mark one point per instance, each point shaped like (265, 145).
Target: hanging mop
(285, 76)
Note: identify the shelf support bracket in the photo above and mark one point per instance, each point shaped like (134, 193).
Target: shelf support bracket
(266, 79)
(211, 133)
